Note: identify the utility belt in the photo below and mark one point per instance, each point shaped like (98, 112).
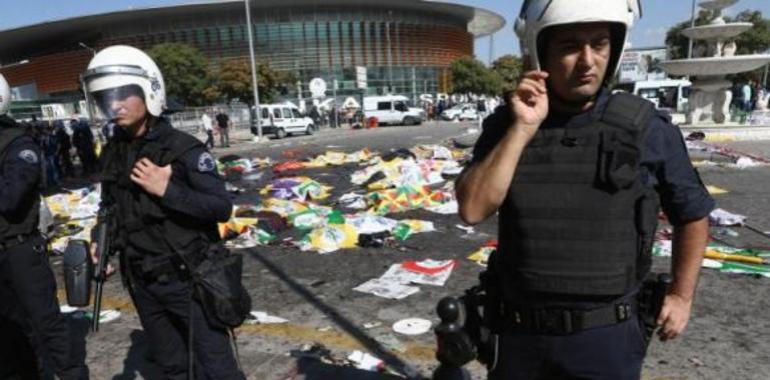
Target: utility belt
(161, 269)
(12, 241)
(563, 321)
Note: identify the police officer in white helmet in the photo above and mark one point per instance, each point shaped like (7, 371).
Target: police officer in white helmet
(165, 198)
(35, 340)
(578, 176)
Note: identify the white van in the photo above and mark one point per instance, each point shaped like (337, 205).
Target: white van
(283, 120)
(392, 109)
(670, 94)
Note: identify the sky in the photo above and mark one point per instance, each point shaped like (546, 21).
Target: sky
(650, 31)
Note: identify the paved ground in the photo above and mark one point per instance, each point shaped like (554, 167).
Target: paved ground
(728, 336)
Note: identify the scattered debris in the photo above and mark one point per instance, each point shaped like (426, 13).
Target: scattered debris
(412, 326)
(262, 317)
(720, 217)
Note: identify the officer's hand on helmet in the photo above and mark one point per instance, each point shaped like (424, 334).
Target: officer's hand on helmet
(95, 258)
(152, 178)
(530, 102)
(673, 316)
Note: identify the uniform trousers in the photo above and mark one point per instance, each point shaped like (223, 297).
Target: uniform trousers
(30, 317)
(164, 311)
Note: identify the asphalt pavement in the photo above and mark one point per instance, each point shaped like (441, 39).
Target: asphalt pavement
(726, 339)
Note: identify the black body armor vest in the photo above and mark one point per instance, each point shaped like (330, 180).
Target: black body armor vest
(142, 225)
(577, 219)
(25, 221)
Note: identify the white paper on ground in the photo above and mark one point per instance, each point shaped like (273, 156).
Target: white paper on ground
(445, 209)
(386, 288)
(365, 361)
(398, 274)
(265, 318)
(720, 217)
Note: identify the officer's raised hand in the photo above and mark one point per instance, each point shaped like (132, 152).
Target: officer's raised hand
(152, 178)
(530, 103)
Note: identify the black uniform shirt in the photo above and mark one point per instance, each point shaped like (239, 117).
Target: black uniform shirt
(19, 176)
(196, 189)
(195, 196)
(665, 164)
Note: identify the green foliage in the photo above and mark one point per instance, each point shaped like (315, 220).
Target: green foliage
(757, 39)
(234, 82)
(469, 75)
(678, 44)
(185, 72)
(509, 68)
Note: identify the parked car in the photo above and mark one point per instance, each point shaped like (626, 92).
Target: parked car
(461, 112)
(281, 120)
(671, 94)
(392, 109)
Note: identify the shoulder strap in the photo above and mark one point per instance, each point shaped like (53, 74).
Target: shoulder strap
(628, 112)
(171, 147)
(180, 144)
(625, 119)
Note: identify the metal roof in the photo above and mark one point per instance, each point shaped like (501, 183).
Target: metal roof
(39, 39)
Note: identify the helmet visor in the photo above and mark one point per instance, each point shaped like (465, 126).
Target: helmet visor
(107, 103)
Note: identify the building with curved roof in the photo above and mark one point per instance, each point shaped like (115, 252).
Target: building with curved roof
(406, 45)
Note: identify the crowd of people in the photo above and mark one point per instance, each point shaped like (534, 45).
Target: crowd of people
(63, 144)
(749, 96)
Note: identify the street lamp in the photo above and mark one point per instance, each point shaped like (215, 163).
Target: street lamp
(390, 52)
(692, 24)
(253, 72)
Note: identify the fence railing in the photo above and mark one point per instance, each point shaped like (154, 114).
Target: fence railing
(189, 120)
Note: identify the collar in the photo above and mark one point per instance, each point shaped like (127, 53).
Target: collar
(159, 128)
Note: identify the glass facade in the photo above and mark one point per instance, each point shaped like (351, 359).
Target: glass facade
(406, 51)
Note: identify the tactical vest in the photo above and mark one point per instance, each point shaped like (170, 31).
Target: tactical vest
(26, 220)
(577, 219)
(142, 224)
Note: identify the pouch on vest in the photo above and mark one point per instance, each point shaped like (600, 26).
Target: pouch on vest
(624, 119)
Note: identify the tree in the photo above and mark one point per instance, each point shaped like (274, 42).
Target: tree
(677, 43)
(234, 82)
(508, 67)
(757, 39)
(185, 72)
(469, 75)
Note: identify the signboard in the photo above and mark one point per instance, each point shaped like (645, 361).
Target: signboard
(317, 87)
(641, 65)
(361, 77)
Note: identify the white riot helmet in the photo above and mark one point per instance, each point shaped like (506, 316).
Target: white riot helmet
(537, 15)
(120, 71)
(5, 96)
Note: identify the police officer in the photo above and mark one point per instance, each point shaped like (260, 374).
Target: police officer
(30, 319)
(577, 175)
(165, 196)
